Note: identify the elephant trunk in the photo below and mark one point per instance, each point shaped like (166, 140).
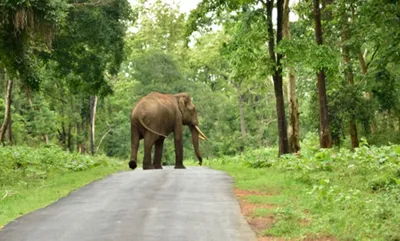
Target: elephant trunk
(195, 140)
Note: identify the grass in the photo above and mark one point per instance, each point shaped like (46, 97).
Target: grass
(280, 190)
(32, 178)
(323, 193)
(33, 196)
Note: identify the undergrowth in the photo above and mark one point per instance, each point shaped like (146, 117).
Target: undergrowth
(351, 195)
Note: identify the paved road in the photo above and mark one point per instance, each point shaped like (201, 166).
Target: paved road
(161, 205)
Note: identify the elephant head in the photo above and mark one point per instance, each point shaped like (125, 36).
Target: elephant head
(189, 118)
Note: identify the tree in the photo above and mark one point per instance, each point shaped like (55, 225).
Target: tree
(7, 113)
(293, 130)
(325, 133)
(349, 73)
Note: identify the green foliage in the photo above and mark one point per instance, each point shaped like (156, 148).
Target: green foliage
(91, 44)
(27, 29)
(156, 68)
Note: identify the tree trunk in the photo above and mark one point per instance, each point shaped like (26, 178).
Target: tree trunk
(325, 133)
(368, 95)
(350, 79)
(242, 123)
(293, 127)
(277, 73)
(69, 138)
(241, 113)
(9, 138)
(7, 112)
(79, 146)
(93, 105)
(363, 64)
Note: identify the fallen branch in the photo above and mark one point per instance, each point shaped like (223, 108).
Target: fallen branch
(102, 138)
(5, 195)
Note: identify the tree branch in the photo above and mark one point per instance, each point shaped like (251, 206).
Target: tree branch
(373, 55)
(63, 101)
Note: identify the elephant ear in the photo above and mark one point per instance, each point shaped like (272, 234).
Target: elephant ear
(182, 102)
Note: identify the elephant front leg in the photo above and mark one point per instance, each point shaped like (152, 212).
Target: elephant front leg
(178, 150)
(158, 153)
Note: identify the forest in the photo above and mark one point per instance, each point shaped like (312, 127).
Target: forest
(309, 87)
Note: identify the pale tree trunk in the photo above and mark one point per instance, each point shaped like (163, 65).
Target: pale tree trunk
(241, 113)
(7, 112)
(350, 79)
(242, 123)
(93, 105)
(363, 64)
(80, 147)
(260, 132)
(325, 133)
(9, 136)
(293, 127)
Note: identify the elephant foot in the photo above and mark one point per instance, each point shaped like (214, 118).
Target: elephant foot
(132, 165)
(157, 166)
(148, 167)
(180, 166)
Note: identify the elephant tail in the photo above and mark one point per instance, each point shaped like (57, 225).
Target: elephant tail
(148, 128)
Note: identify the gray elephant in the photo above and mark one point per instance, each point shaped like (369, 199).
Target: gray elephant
(153, 118)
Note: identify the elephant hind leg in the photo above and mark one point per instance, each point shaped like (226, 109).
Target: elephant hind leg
(158, 153)
(135, 138)
(149, 140)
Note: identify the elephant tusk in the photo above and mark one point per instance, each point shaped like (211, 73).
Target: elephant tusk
(201, 134)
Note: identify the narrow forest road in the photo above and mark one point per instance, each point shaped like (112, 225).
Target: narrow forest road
(164, 205)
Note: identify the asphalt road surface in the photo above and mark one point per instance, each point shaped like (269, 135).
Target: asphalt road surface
(158, 205)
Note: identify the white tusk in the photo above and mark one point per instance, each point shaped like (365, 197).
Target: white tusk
(201, 134)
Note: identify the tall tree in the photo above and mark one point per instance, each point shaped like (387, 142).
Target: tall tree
(7, 113)
(345, 36)
(293, 128)
(276, 58)
(93, 106)
(325, 133)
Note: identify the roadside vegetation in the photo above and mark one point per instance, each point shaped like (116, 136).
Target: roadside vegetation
(335, 194)
(31, 178)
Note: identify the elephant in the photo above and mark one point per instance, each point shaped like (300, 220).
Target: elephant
(153, 118)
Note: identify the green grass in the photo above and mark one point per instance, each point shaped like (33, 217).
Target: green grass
(278, 189)
(335, 193)
(32, 178)
(30, 197)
